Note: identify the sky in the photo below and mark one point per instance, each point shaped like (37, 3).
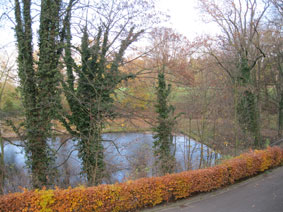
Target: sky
(185, 19)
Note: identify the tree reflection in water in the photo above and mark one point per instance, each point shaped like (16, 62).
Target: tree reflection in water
(127, 156)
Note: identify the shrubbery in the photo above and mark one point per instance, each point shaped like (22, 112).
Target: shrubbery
(145, 192)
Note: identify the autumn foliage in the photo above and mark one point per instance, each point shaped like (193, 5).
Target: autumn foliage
(145, 192)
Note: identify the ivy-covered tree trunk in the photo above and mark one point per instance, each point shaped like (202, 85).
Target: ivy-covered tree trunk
(2, 165)
(280, 116)
(91, 102)
(39, 83)
(163, 138)
(243, 50)
(279, 89)
(247, 104)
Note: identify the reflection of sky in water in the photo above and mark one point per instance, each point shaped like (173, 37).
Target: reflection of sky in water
(123, 152)
(14, 155)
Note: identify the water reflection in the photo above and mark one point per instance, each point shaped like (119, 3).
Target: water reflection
(127, 156)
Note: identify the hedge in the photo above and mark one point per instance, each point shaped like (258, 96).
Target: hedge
(145, 192)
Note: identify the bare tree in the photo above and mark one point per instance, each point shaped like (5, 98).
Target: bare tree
(274, 61)
(240, 44)
(279, 5)
(5, 72)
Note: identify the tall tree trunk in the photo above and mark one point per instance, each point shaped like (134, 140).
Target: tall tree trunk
(2, 162)
(91, 151)
(163, 138)
(236, 97)
(91, 102)
(35, 148)
(2, 165)
(39, 84)
(248, 105)
(201, 155)
(280, 116)
(257, 131)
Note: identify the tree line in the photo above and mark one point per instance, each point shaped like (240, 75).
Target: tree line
(224, 85)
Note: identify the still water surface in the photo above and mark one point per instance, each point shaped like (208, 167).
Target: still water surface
(127, 156)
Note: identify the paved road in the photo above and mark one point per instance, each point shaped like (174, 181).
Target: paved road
(263, 193)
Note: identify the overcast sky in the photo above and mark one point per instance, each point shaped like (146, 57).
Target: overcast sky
(185, 19)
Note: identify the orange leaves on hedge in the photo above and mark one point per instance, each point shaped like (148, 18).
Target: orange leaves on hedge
(145, 192)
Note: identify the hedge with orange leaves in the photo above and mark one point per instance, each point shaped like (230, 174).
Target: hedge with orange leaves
(145, 192)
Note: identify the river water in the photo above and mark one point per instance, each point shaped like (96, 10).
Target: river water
(127, 156)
